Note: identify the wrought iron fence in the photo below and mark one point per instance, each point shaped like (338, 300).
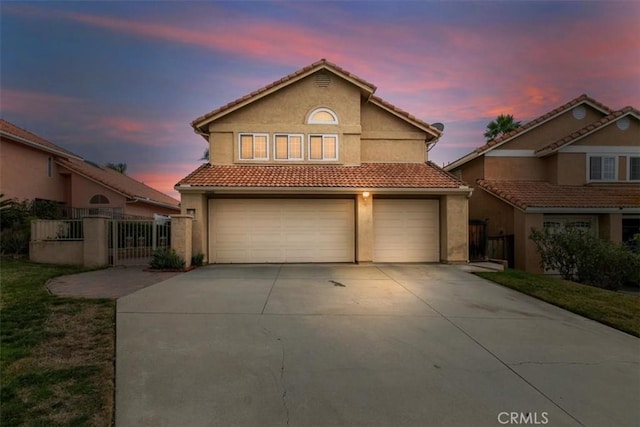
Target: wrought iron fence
(133, 241)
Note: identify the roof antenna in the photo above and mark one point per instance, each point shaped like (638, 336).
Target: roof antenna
(440, 128)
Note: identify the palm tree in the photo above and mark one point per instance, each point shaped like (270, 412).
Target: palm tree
(503, 124)
(118, 167)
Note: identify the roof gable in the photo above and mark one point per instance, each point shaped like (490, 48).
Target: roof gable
(367, 89)
(588, 130)
(533, 124)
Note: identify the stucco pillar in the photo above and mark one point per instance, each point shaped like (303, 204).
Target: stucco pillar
(610, 227)
(364, 229)
(196, 205)
(182, 237)
(96, 244)
(454, 229)
(526, 256)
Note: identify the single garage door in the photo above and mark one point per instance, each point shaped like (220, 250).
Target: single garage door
(281, 230)
(406, 230)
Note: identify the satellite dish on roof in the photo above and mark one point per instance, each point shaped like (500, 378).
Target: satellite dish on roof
(438, 126)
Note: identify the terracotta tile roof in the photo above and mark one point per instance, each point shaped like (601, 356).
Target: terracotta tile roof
(119, 182)
(368, 175)
(11, 129)
(323, 63)
(542, 194)
(586, 130)
(579, 100)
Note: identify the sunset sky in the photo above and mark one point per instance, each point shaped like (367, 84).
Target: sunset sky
(121, 81)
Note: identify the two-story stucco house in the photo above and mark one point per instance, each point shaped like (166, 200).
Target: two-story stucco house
(34, 168)
(576, 165)
(315, 168)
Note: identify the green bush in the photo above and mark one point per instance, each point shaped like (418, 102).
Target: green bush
(15, 228)
(166, 258)
(197, 260)
(584, 258)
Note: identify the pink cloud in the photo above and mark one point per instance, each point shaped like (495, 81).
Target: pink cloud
(36, 103)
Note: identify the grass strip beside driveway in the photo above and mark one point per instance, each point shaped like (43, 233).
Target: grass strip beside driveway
(56, 353)
(615, 309)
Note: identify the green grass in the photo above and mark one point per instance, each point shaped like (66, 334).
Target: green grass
(56, 354)
(615, 309)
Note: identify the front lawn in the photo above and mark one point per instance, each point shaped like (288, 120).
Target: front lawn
(614, 309)
(56, 354)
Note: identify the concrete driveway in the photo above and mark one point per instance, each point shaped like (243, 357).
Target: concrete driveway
(377, 345)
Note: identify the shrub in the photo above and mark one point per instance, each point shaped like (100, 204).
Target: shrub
(15, 240)
(582, 257)
(197, 260)
(166, 258)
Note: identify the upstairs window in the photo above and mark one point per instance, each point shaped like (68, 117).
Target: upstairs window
(634, 168)
(323, 116)
(323, 147)
(288, 147)
(99, 199)
(254, 146)
(602, 168)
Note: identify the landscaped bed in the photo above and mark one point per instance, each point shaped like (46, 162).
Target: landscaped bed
(614, 309)
(56, 353)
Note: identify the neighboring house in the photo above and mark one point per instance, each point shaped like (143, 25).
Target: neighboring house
(578, 165)
(35, 169)
(315, 168)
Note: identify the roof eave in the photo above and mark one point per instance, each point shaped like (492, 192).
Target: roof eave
(39, 146)
(583, 210)
(461, 161)
(321, 190)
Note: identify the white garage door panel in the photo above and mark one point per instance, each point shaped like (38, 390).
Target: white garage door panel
(406, 231)
(281, 230)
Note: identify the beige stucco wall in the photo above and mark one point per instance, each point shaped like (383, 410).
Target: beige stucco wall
(520, 168)
(364, 229)
(286, 111)
(526, 256)
(571, 169)
(57, 252)
(611, 135)
(96, 244)
(387, 138)
(24, 174)
(197, 201)
(366, 132)
(182, 237)
(454, 229)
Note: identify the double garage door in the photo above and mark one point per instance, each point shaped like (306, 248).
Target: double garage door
(319, 230)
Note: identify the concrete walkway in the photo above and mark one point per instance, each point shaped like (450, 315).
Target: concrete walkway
(108, 283)
(385, 345)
